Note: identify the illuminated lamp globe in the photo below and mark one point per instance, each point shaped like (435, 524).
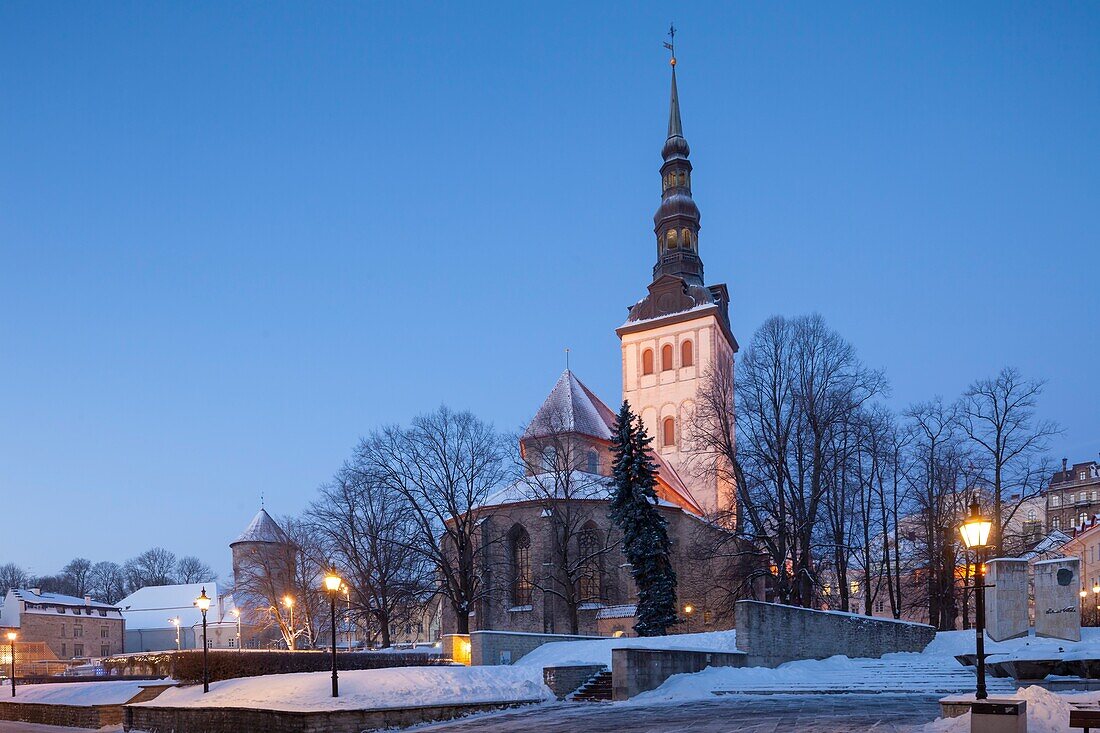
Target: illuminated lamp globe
(975, 530)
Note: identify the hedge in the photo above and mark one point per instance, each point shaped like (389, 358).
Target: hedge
(186, 666)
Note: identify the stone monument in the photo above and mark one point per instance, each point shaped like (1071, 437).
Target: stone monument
(1006, 600)
(1057, 583)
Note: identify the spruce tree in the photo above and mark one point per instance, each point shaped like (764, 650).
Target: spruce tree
(645, 538)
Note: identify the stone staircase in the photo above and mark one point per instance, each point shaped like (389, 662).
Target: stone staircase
(596, 689)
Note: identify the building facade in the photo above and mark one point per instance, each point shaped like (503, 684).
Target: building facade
(1073, 496)
(72, 628)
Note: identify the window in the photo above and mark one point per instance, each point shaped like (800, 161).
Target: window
(62, 650)
(104, 650)
(666, 357)
(853, 587)
(685, 238)
(588, 547)
(879, 606)
(104, 633)
(1081, 476)
(78, 631)
(1055, 500)
(1082, 519)
(647, 361)
(687, 354)
(1031, 515)
(670, 239)
(521, 567)
(593, 462)
(1056, 523)
(78, 650)
(549, 458)
(668, 432)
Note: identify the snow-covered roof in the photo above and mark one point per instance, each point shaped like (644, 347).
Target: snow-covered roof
(153, 606)
(262, 528)
(571, 408)
(624, 611)
(1050, 543)
(30, 596)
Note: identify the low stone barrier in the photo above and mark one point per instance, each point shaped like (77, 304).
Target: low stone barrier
(505, 647)
(563, 681)
(75, 716)
(235, 720)
(634, 671)
(771, 634)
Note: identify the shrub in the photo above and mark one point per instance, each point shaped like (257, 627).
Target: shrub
(225, 664)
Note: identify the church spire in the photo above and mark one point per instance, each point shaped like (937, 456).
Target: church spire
(676, 222)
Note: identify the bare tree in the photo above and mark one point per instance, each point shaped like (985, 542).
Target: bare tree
(76, 574)
(13, 576)
(190, 569)
(368, 529)
(560, 472)
(156, 566)
(445, 465)
(263, 580)
(998, 416)
(107, 581)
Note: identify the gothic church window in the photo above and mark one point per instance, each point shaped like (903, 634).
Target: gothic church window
(588, 547)
(521, 567)
(687, 354)
(593, 462)
(666, 357)
(668, 432)
(647, 361)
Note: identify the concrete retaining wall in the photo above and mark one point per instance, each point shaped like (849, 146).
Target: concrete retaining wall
(564, 681)
(236, 720)
(505, 647)
(634, 671)
(771, 634)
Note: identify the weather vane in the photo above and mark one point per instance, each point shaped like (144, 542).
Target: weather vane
(671, 43)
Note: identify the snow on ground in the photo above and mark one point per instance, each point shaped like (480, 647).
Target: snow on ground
(933, 671)
(1047, 712)
(365, 689)
(598, 651)
(77, 693)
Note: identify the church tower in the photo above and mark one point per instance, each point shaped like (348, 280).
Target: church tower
(680, 330)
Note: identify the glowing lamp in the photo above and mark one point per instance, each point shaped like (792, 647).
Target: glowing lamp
(333, 583)
(975, 530)
(11, 636)
(203, 601)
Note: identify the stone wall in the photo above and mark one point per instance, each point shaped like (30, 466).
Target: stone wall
(564, 681)
(236, 720)
(771, 634)
(634, 671)
(72, 716)
(69, 635)
(505, 647)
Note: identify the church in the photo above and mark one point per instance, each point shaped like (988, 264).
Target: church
(550, 557)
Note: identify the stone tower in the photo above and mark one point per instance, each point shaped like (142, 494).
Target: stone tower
(680, 330)
(263, 563)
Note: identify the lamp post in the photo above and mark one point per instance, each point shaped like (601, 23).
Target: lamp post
(175, 621)
(11, 643)
(237, 612)
(332, 585)
(203, 602)
(1096, 604)
(1084, 614)
(288, 601)
(975, 534)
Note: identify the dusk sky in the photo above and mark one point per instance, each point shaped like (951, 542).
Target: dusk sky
(235, 237)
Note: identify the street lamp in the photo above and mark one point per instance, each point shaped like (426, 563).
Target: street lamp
(176, 622)
(11, 643)
(203, 602)
(332, 585)
(975, 535)
(288, 601)
(237, 612)
(1096, 604)
(1084, 614)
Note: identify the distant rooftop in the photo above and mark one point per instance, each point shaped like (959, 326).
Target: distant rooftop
(34, 595)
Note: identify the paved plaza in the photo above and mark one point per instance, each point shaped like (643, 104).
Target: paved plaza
(755, 714)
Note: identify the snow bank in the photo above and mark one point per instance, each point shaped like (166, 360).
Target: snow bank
(366, 689)
(76, 693)
(951, 643)
(598, 651)
(1046, 713)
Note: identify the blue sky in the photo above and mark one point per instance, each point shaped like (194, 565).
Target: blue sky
(235, 236)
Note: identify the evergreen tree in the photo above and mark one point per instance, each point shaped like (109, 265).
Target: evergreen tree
(645, 539)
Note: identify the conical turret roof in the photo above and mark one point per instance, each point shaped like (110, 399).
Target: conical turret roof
(262, 528)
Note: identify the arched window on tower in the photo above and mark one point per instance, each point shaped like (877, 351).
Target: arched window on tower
(647, 361)
(685, 238)
(666, 357)
(589, 549)
(668, 432)
(521, 567)
(687, 354)
(670, 239)
(681, 178)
